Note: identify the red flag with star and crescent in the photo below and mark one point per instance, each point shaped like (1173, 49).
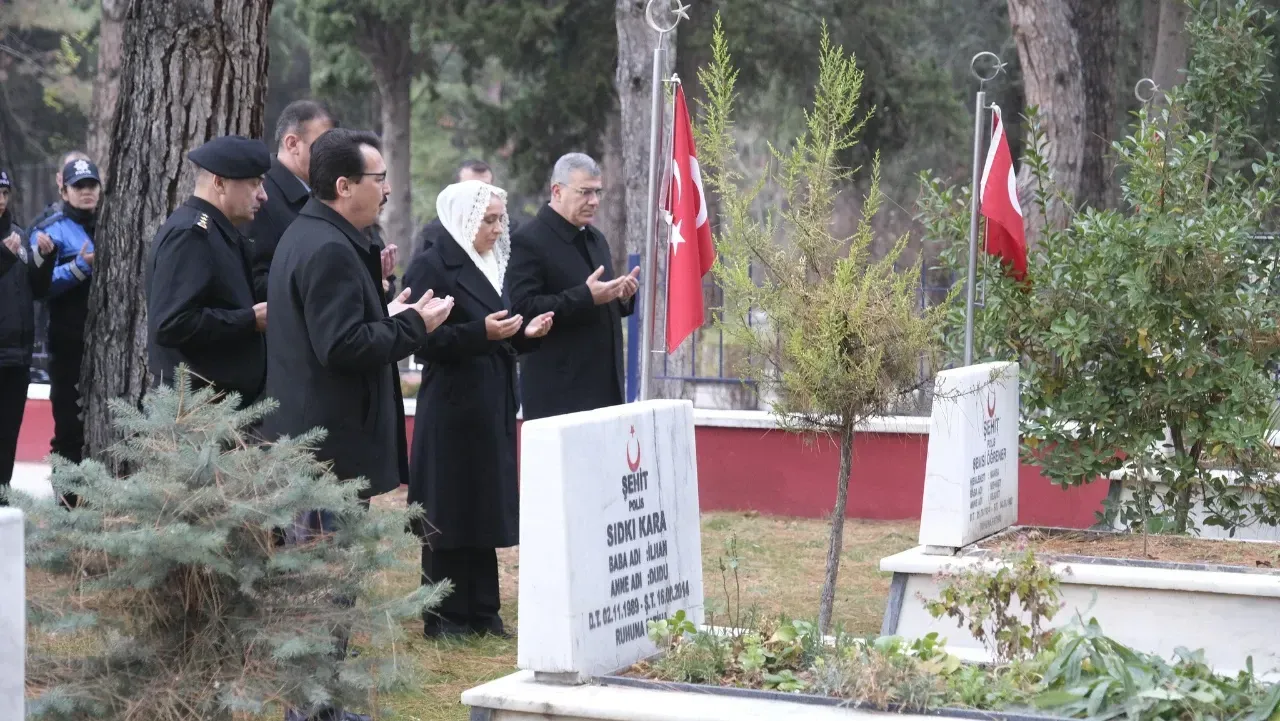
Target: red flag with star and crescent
(1006, 235)
(691, 252)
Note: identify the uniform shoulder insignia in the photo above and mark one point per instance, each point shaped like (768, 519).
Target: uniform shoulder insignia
(202, 221)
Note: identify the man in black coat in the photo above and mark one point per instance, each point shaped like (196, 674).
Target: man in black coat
(25, 274)
(201, 309)
(560, 263)
(287, 182)
(331, 340)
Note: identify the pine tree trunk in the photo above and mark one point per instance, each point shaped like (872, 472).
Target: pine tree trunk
(106, 86)
(1052, 81)
(636, 41)
(1097, 26)
(388, 51)
(1172, 45)
(193, 70)
(835, 544)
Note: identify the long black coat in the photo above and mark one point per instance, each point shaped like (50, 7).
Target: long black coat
(463, 470)
(200, 303)
(579, 366)
(330, 346)
(285, 197)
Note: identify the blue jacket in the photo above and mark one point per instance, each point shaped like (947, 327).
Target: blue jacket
(68, 237)
(69, 289)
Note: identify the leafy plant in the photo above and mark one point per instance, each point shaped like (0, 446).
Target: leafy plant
(842, 335)
(180, 599)
(982, 600)
(1148, 336)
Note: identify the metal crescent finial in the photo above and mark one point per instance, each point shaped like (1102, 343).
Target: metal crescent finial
(1147, 97)
(675, 9)
(996, 66)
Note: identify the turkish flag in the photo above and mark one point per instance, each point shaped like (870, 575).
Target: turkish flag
(690, 250)
(1006, 236)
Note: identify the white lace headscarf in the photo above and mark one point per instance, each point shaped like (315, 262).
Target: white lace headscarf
(461, 207)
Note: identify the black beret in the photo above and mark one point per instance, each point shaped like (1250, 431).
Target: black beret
(233, 157)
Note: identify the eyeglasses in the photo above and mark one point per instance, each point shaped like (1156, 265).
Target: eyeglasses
(590, 192)
(377, 177)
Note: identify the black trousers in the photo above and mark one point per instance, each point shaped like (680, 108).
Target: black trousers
(474, 602)
(64, 396)
(13, 403)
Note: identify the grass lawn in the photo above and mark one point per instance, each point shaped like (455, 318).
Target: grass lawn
(781, 564)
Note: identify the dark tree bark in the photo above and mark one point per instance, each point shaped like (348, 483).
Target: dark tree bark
(1097, 25)
(106, 85)
(193, 70)
(387, 48)
(1049, 52)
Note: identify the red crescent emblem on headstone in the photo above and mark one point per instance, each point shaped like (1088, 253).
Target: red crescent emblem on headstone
(991, 404)
(633, 465)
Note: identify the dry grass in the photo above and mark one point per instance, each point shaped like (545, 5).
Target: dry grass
(1251, 556)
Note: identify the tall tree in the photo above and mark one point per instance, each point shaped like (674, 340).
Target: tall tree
(187, 77)
(1173, 44)
(106, 85)
(1049, 52)
(1097, 25)
(634, 80)
(387, 35)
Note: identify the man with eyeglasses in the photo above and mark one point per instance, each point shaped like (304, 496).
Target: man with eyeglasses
(561, 264)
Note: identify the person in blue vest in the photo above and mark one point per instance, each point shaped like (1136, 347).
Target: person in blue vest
(71, 229)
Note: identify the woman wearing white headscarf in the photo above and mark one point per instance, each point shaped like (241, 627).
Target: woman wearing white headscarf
(463, 469)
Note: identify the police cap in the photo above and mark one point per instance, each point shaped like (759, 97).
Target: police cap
(233, 157)
(78, 171)
(4, 180)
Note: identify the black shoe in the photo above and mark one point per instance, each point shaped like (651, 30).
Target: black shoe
(439, 628)
(491, 627)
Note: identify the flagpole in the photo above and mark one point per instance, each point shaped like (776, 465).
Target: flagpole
(980, 107)
(649, 260)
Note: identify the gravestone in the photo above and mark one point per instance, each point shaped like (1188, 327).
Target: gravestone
(13, 614)
(609, 536)
(971, 473)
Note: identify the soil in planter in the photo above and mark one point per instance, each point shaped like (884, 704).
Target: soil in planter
(1253, 556)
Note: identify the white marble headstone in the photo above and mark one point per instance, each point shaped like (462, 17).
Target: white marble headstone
(971, 473)
(13, 614)
(609, 535)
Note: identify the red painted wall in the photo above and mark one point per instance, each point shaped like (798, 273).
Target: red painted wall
(742, 469)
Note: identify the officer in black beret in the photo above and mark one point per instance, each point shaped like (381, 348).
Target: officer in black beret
(201, 309)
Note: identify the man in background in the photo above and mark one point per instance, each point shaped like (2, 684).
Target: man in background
(434, 231)
(287, 183)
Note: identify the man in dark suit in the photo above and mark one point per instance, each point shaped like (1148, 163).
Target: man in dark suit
(201, 309)
(332, 340)
(434, 231)
(287, 182)
(561, 264)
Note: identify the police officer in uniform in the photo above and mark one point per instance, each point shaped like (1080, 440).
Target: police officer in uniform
(201, 308)
(71, 229)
